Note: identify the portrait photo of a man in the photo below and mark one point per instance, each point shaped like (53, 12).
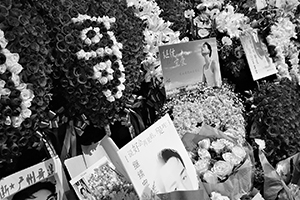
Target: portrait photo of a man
(173, 173)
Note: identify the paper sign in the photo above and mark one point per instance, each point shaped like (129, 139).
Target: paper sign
(49, 171)
(157, 161)
(185, 64)
(259, 62)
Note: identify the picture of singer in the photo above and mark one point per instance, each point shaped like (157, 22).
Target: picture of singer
(173, 174)
(211, 69)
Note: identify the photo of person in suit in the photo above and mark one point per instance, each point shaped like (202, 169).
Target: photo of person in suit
(173, 173)
(211, 69)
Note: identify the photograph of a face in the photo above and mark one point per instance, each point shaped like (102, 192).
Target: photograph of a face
(188, 63)
(157, 161)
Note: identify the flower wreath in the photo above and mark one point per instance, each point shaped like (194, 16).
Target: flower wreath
(97, 57)
(25, 82)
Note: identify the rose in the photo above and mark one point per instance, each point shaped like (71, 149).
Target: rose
(16, 121)
(203, 153)
(210, 177)
(16, 79)
(205, 143)
(16, 68)
(218, 196)
(110, 98)
(118, 95)
(222, 168)
(103, 80)
(227, 143)
(2, 68)
(201, 166)
(26, 94)
(231, 158)
(217, 146)
(121, 87)
(107, 93)
(239, 152)
(26, 113)
(2, 84)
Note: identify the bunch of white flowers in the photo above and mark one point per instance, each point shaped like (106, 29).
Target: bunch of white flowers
(234, 24)
(213, 169)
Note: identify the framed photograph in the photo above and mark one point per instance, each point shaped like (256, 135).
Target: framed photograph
(186, 64)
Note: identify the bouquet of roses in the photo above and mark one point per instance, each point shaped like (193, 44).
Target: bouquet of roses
(223, 164)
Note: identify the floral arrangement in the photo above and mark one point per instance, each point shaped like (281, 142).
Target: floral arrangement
(215, 159)
(275, 117)
(157, 32)
(24, 80)
(106, 184)
(220, 108)
(98, 57)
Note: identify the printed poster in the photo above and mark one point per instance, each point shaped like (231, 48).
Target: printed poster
(259, 62)
(43, 180)
(186, 64)
(157, 161)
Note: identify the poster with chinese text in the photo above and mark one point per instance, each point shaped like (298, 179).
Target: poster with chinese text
(43, 180)
(186, 64)
(157, 161)
(259, 62)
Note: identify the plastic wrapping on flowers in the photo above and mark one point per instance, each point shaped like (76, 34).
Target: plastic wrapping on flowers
(220, 108)
(24, 79)
(99, 49)
(275, 119)
(223, 164)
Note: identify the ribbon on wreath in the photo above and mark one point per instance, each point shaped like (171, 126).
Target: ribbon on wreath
(53, 120)
(70, 141)
(81, 124)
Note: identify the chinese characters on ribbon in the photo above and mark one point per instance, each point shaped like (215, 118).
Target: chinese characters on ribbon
(25, 178)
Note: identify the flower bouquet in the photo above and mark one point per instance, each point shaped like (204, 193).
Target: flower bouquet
(220, 108)
(223, 164)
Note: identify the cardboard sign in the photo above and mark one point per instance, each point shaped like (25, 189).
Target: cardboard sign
(259, 62)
